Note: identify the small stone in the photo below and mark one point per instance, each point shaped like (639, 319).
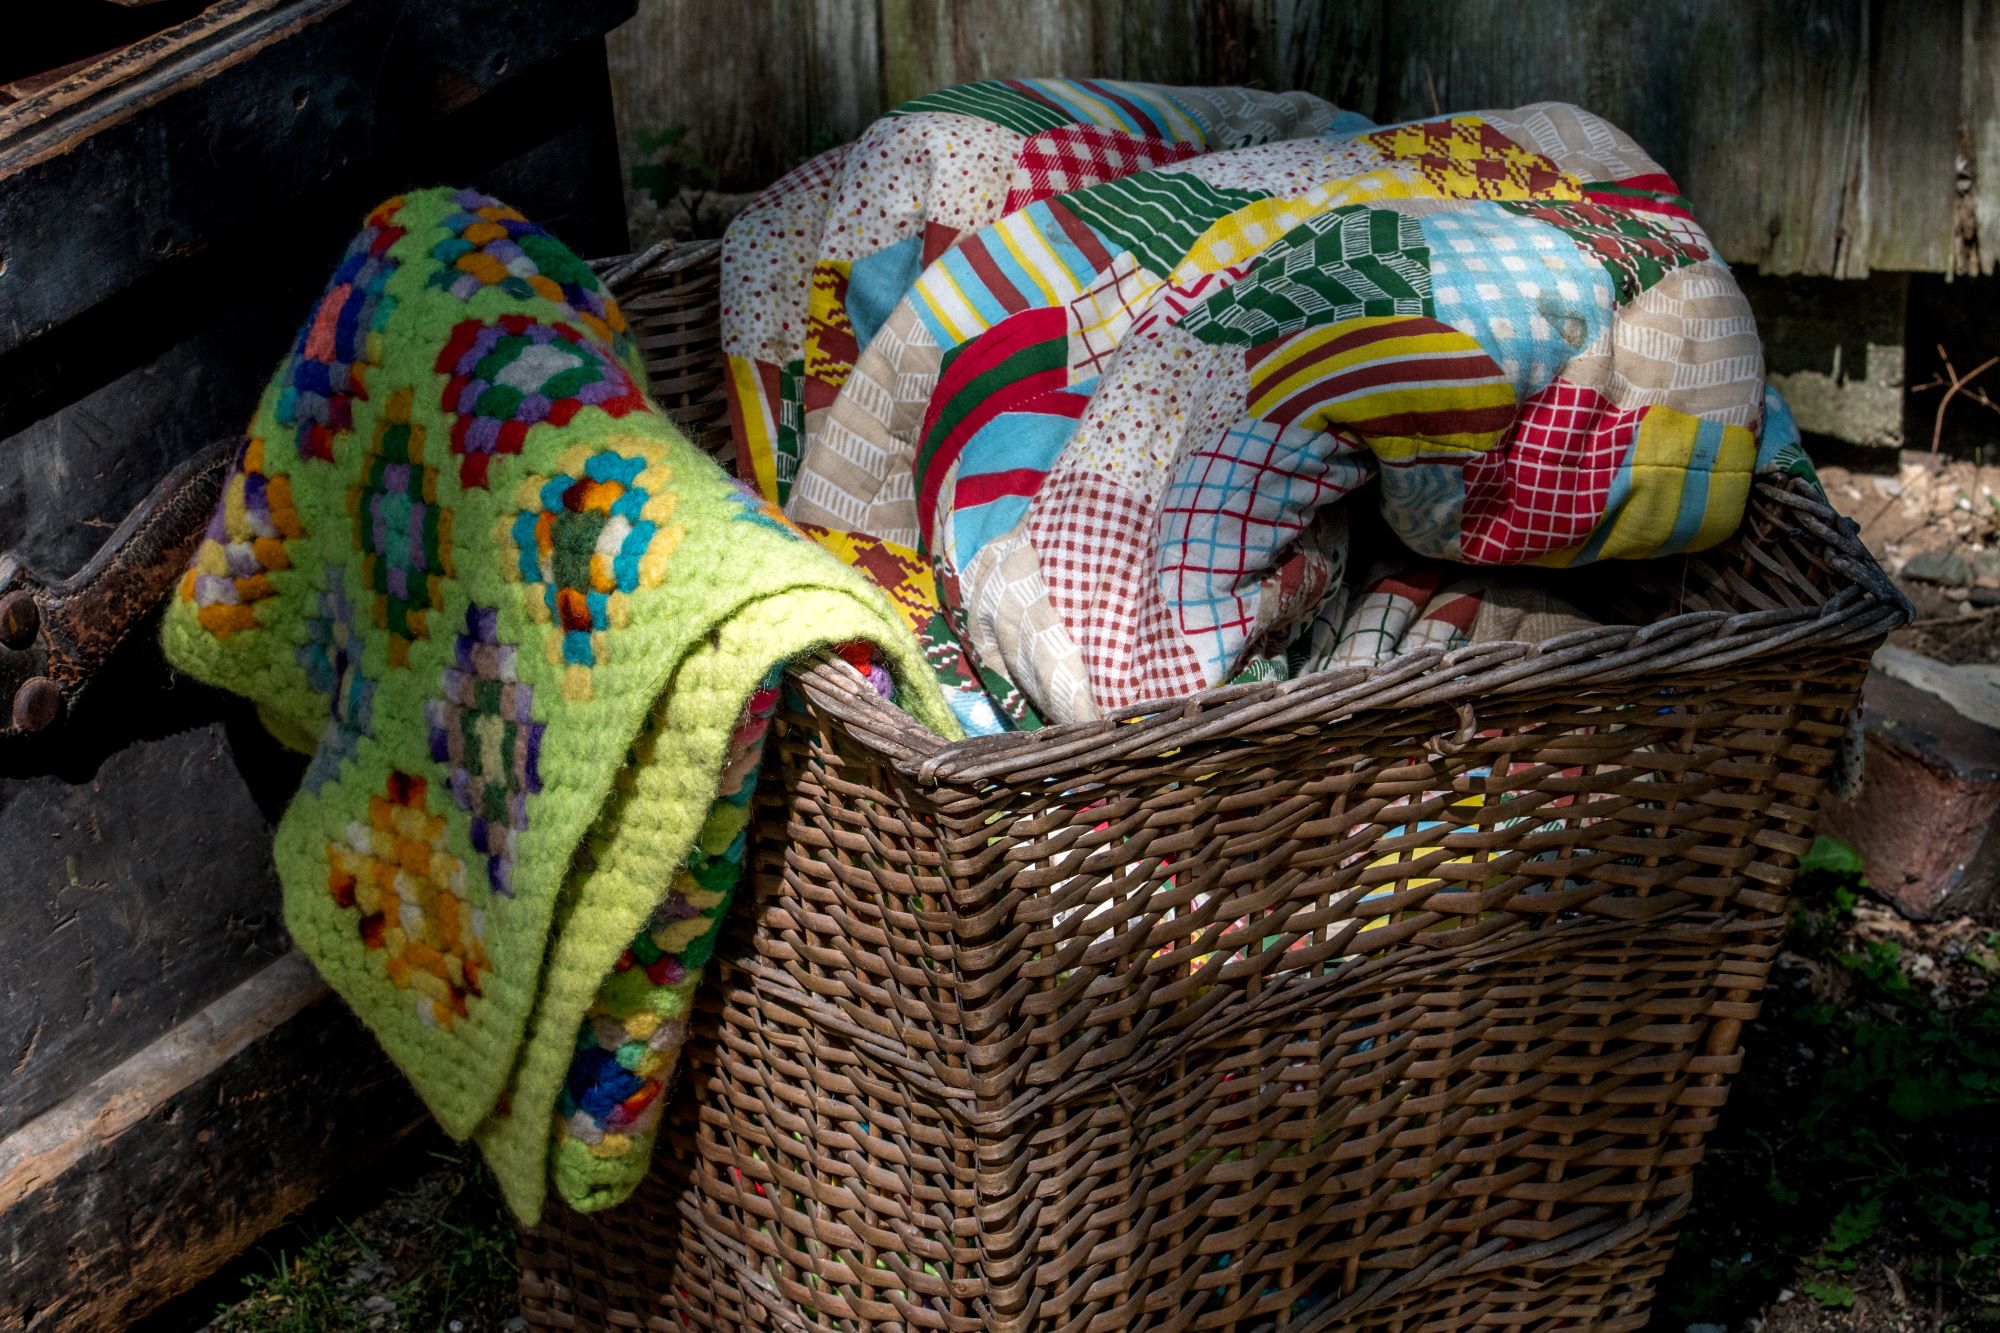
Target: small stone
(1707, 1328)
(1784, 1294)
(1927, 818)
(1947, 567)
(1956, 594)
(378, 1305)
(1984, 597)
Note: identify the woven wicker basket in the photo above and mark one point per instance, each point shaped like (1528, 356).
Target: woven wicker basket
(1399, 1000)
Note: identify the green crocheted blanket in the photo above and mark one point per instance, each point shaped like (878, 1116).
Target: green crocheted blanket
(527, 634)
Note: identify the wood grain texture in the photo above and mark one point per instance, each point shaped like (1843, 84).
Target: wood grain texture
(1912, 144)
(1714, 149)
(1151, 41)
(1826, 137)
(1815, 54)
(1976, 239)
(740, 84)
(1346, 66)
(40, 1153)
(131, 901)
(299, 91)
(157, 1173)
(843, 87)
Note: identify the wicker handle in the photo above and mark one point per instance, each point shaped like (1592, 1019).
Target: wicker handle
(55, 635)
(1450, 747)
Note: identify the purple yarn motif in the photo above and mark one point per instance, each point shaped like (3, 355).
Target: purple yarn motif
(515, 373)
(330, 659)
(483, 733)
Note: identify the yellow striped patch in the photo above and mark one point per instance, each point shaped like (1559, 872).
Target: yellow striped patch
(1682, 488)
(1408, 386)
(759, 427)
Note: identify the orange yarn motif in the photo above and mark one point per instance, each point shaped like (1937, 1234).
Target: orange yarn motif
(410, 891)
(245, 543)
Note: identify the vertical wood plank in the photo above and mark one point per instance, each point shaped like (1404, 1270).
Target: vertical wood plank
(1344, 61)
(843, 70)
(1913, 133)
(1977, 220)
(1242, 41)
(916, 48)
(740, 85)
(931, 44)
(1151, 41)
(1814, 59)
(1716, 155)
(1023, 37)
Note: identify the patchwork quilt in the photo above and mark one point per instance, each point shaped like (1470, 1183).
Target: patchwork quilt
(1081, 371)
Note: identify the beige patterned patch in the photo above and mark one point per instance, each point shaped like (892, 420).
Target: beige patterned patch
(1139, 419)
(855, 470)
(1689, 342)
(907, 170)
(1586, 146)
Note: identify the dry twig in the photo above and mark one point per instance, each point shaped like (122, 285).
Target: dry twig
(1953, 384)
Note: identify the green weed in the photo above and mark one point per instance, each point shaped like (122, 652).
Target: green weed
(437, 1257)
(673, 172)
(1862, 1126)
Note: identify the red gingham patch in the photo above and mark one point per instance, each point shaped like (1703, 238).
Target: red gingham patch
(806, 177)
(1060, 160)
(1093, 539)
(1545, 488)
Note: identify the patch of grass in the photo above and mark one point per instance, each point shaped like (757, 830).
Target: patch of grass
(1862, 1128)
(434, 1257)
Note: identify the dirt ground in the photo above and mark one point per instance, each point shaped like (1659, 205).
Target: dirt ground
(1932, 508)
(1851, 1187)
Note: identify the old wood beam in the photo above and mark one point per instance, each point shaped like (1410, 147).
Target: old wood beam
(166, 1165)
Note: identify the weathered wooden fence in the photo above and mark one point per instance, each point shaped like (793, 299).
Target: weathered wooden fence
(1828, 137)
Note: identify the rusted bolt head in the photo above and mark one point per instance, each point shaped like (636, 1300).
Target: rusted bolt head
(37, 703)
(20, 618)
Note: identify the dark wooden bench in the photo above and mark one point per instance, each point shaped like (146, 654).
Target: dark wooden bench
(173, 1081)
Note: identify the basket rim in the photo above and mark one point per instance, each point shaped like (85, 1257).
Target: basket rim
(1867, 609)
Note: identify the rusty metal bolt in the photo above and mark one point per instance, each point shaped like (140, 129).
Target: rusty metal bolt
(37, 703)
(20, 618)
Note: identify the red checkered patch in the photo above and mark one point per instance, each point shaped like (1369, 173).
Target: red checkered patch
(1060, 160)
(1545, 489)
(811, 175)
(1093, 539)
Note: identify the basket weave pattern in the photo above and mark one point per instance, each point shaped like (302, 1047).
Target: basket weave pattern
(1378, 1000)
